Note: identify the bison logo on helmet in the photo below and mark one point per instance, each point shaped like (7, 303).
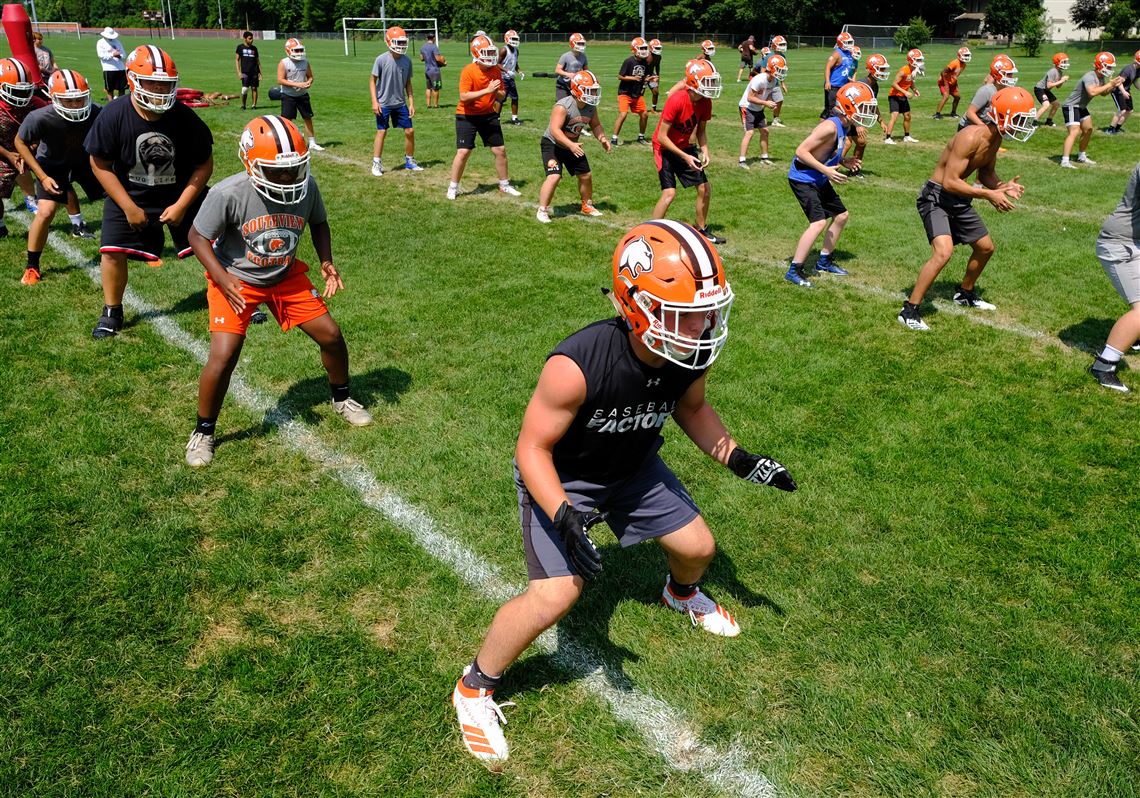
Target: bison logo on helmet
(852, 94)
(637, 257)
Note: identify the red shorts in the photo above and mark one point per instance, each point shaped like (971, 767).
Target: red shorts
(293, 301)
(948, 87)
(627, 104)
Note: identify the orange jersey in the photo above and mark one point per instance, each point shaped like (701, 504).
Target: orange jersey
(906, 80)
(952, 70)
(476, 78)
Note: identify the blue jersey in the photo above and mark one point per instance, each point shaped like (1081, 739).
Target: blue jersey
(841, 73)
(802, 173)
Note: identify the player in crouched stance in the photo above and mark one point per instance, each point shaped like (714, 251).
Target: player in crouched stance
(946, 201)
(246, 235)
(587, 451)
(561, 147)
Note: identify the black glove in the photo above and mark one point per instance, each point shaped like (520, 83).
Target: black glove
(572, 527)
(761, 470)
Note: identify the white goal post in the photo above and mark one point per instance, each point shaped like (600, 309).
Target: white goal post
(875, 37)
(369, 28)
(57, 27)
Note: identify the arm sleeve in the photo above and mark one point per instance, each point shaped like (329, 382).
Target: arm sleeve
(317, 214)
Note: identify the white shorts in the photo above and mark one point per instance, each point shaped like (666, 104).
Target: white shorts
(1121, 262)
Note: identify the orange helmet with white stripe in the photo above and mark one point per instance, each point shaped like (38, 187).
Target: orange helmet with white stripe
(845, 41)
(1104, 64)
(878, 67)
(484, 52)
(70, 95)
(1003, 70)
(779, 44)
(276, 159)
(154, 66)
(640, 47)
(511, 38)
(655, 46)
(16, 85)
(295, 49)
(577, 42)
(397, 40)
(702, 77)
(708, 47)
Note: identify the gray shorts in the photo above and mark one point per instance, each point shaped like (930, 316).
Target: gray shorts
(1121, 262)
(947, 214)
(777, 94)
(650, 504)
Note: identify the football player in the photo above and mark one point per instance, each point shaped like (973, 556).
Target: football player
(247, 62)
(50, 143)
(246, 236)
(481, 98)
(571, 61)
(560, 146)
(838, 71)
(1003, 74)
(295, 76)
(902, 89)
(748, 53)
(433, 62)
(778, 45)
(509, 61)
(1118, 249)
(813, 171)
(653, 81)
(705, 54)
(390, 87)
(17, 100)
(877, 69)
(153, 157)
(948, 82)
(631, 90)
(587, 452)
(1075, 109)
(685, 116)
(1122, 96)
(946, 201)
(756, 99)
(1043, 90)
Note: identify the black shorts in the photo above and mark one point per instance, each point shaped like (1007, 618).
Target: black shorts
(1043, 95)
(115, 80)
(145, 244)
(560, 92)
(555, 157)
(434, 82)
(946, 214)
(818, 202)
(486, 125)
(828, 102)
(673, 169)
(746, 63)
(1073, 114)
(510, 88)
(899, 105)
(1122, 103)
(64, 176)
(753, 120)
(291, 105)
(251, 80)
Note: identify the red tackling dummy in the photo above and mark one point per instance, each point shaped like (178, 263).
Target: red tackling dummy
(18, 29)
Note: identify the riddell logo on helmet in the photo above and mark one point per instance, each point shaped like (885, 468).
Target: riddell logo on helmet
(715, 292)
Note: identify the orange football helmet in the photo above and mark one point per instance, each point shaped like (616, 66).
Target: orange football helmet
(16, 85)
(878, 67)
(154, 65)
(1003, 70)
(845, 41)
(584, 86)
(396, 39)
(964, 55)
(777, 66)
(917, 61)
(577, 42)
(640, 47)
(1014, 112)
(295, 49)
(66, 86)
(655, 46)
(857, 102)
(669, 287)
(1061, 61)
(708, 47)
(702, 77)
(765, 51)
(1136, 57)
(1104, 64)
(484, 52)
(779, 44)
(276, 159)
(857, 53)
(511, 38)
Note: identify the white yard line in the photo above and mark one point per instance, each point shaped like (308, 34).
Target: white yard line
(665, 729)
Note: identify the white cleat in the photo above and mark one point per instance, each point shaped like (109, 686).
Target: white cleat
(1068, 165)
(480, 720)
(314, 146)
(702, 611)
(543, 215)
(377, 168)
(353, 412)
(1086, 161)
(200, 450)
(910, 139)
(509, 190)
(452, 191)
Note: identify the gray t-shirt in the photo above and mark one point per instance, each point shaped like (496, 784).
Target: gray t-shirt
(571, 62)
(255, 239)
(431, 66)
(392, 73)
(1123, 224)
(296, 71)
(1130, 73)
(577, 119)
(981, 103)
(509, 62)
(1052, 76)
(1080, 96)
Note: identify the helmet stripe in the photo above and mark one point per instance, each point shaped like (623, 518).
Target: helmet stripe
(280, 134)
(21, 72)
(696, 248)
(69, 79)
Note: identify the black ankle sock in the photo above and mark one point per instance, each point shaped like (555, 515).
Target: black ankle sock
(206, 426)
(339, 392)
(113, 311)
(477, 680)
(34, 259)
(680, 590)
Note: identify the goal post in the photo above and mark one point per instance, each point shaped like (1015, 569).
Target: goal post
(66, 28)
(875, 37)
(371, 28)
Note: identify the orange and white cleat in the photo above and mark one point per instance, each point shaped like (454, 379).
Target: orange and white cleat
(480, 719)
(702, 611)
(588, 209)
(31, 276)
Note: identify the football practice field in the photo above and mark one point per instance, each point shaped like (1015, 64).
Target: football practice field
(949, 605)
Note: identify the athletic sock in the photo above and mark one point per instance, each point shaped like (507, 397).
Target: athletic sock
(113, 311)
(477, 680)
(681, 590)
(1110, 356)
(76, 218)
(34, 260)
(339, 392)
(742, 160)
(1064, 159)
(451, 184)
(504, 183)
(1082, 155)
(824, 254)
(514, 117)
(205, 425)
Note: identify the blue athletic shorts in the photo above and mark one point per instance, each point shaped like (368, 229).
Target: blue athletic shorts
(394, 115)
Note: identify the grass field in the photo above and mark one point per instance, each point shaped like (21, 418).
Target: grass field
(947, 607)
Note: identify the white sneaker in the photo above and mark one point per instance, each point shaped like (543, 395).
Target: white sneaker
(411, 165)
(889, 140)
(543, 215)
(743, 165)
(353, 412)
(509, 190)
(200, 450)
(1086, 160)
(588, 209)
(480, 719)
(910, 139)
(377, 167)
(314, 146)
(1068, 165)
(766, 161)
(452, 191)
(702, 611)
(777, 123)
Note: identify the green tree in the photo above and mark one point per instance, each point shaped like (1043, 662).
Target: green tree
(1087, 14)
(915, 33)
(1033, 30)
(1119, 19)
(1005, 17)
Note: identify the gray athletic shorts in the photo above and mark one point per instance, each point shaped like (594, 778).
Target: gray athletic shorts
(947, 214)
(648, 505)
(1121, 262)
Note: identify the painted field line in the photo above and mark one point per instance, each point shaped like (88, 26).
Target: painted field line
(665, 729)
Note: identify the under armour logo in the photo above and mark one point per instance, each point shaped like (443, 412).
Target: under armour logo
(653, 381)
(219, 319)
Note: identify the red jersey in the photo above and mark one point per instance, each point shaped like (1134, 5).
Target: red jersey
(683, 116)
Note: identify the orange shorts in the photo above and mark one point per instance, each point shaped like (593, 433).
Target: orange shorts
(293, 301)
(627, 104)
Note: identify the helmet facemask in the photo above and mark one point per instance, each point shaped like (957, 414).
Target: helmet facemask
(399, 45)
(68, 112)
(159, 102)
(664, 336)
(1017, 127)
(284, 180)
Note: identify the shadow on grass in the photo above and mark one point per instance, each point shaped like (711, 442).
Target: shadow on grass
(1087, 336)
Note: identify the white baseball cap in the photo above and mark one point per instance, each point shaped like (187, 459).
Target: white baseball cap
(109, 33)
